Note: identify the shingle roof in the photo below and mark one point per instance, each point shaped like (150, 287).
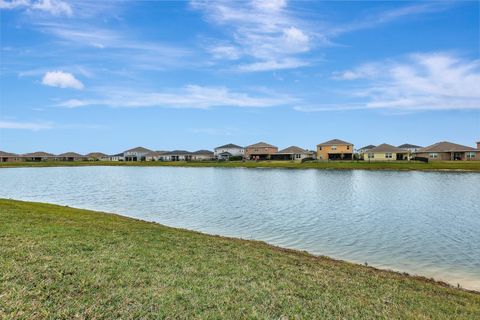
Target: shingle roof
(179, 152)
(407, 145)
(70, 155)
(292, 150)
(38, 154)
(138, 149)
(334, 142)
(384, 147)
(230, 145)
(96, 155)
(370, 146)
(446, 146)
(208, 152)
(261, 145)
(156, 153)
(7, 154)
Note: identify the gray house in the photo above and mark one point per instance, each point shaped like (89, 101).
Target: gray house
(136, 154)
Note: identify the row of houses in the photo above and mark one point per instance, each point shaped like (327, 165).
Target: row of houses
(335, 149)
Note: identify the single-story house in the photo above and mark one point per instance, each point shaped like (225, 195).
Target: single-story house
(335, 149)
(177, 155)
(10, 157)
(260, 151)
(136, 154)
(447, 151)
(116, 157)
(293, 153)
(386, 152)
(410, 147)
(38, 156)
(96, 156)
(228, 150)
(202, 155)
(70, 156)
(155, 156)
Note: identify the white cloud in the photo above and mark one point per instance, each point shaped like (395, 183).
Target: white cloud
(262, 31)
(13, 4)
(225, 52)
(191, 96)
(273, 65)
(34, 126)
(62, 80)
(53, 7)
(434, 81)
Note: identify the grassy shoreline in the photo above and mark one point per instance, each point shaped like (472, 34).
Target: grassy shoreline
(470, 166)
(60, 262)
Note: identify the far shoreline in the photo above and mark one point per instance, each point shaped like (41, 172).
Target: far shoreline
(434, 166)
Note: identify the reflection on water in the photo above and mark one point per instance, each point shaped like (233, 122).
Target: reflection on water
(419, 222)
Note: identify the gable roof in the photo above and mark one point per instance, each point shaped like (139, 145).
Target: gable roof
(70, 155)
(229, 145)
(38, 154)
(292, 150)
(445, 146)
(156, 153)
(206, 152)
(261, 145)
(334, 142)
(178, 152)
(7, 154)
(370, 146)
(385, 147)
(411, 146)
(138, 149)
(96, 155)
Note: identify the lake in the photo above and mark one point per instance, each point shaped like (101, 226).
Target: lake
(425, 223)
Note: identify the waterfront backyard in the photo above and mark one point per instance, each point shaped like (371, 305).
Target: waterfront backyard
(347, 165)
(59, 262)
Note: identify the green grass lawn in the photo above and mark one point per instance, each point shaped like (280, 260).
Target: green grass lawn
(62, 263)
(363, 165)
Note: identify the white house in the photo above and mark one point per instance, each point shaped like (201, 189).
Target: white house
(116, 157)
(410, 147)
(229, 150)
(136, 154)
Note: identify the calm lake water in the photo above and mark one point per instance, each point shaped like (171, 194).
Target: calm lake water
(424, 223)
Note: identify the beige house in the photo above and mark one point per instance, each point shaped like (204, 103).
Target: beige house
(96, 156)
(386, 152)
(9, 157)
(202, 155)
(70, 156)
(38, 156)
(448, 151)
(335, 149)
(260, 151)
(155, 156)
(293, 153)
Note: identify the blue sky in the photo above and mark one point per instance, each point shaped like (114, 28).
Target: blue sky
(109, 75)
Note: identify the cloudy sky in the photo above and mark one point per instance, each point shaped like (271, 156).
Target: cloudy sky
(109, 75)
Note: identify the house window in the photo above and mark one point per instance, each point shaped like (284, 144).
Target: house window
(348, 147)
(370, 156)
(319, 148)
(297, 156)
(388, 155)
(334, 147)
(433, 155)
(470, 155)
